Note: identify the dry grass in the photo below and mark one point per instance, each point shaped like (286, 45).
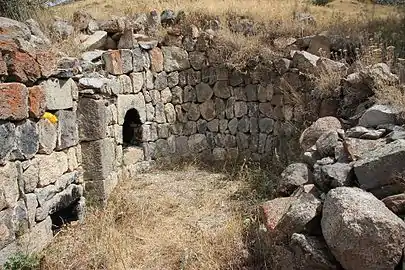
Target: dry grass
(161, 220)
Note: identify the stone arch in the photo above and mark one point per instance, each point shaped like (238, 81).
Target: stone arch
(132, 128)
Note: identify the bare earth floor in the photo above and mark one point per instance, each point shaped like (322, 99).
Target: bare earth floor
(187, 219)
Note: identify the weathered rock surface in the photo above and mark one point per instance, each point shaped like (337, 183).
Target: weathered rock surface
(321, 126)
(378, 115)
(361, 232)
(293, 176)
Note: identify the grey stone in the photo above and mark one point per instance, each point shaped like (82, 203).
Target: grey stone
(7, 133)
(189, 94)
(266, 125)
(166, 95)
(207, 110)
(155, 96)
(244, 124)
(91, 56)
(181, 115)
(396, 134)
(193, 77)
(170, 113)
(139, 60)
(376, 168)
(175, 59)
(266, 109)
(229, 110)
(251, 92)
(149, 80)
(30, 176)
(7, 229)
(223, 125)
(295, 175)
(127, 102)
(239, 93)
(304, 61)
(233, 125)
(240, 109)
(9, 192)
(57, 98)
(92, 83)
(197, 60)
(150, 112)
(26, 140)
(181, 143)
(126, 84)
(361, 232)
(242, 140)
(213, 125)
(189, 128)
(202, 126)
(265, 93)
(396, 203)
(311, 252)
(48, 171)
(220, 108)
(197, 143)
(236, 78)
(68, 134)
(98, 159)
(319, 127)
(253, 109)
(161, 81)
(177, 95)
(172, 79)
(160, 116)
(333, 175)
(72, 159)
(163, 131)
(193, 112)
(32, 204)
(14, 28)
(138, 80)
(378, 115)
(95, 41)
(204, 92)
(222, 89)
(92, 119)
(326, 144)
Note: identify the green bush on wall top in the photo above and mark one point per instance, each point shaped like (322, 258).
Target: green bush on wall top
(21, 261)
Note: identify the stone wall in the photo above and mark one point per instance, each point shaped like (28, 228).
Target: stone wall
(40, 171)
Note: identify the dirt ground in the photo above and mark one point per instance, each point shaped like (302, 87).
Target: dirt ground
(188, 219)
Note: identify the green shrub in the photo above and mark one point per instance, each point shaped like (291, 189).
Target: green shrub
(21, 261)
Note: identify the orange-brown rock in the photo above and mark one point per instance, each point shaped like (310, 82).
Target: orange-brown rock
(13, 101)
(37, 101)
(47, 63)
(23, 68)
(156, 59)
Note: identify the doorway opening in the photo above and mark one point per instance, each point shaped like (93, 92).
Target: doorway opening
(132, 129)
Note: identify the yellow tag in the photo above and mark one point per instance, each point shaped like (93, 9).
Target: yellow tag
(51, 117)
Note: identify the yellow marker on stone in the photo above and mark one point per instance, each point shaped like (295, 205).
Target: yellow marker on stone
(51, 117)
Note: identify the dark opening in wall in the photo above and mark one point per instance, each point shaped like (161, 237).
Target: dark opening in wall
(65, 216)
(132, 128)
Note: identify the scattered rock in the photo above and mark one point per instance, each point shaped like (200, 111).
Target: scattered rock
(378, 115)
(321, 126)
(295, 175)
(361, 232)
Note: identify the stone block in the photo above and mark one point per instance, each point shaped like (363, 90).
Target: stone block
(92, 119)
(118, 62)
(30, 176)
(72, 159)
(244, 124)
(98, 159)
(172, 79)
(181, 145)
(138, 81)
(197, 60)
(213, 125)
(240, 109)
(197, 143)
(193, 112)
(155, 96)
(166, 95)
(266, 125)
(23, 67)
(175, 59)
(160, 81)
(126, 84)
(95, 41)
(141, 60)
(13, 101)
(7, 133)
(207, 110)
(222, 89)
(68, 133)
(37, 101)
(26, 140)
(127, 102)
(156, 59)
(160, 114)
(51, 167)
(47, 132)
(251, 92)
(57, 98)
(32, 204)
(6, 226)
(150, 112)
(9, 192)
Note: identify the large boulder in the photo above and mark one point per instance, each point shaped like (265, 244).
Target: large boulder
(377, 170)
(321, 126)
(14, 29)
(378, 115)
(361, 232)
(292, 177)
